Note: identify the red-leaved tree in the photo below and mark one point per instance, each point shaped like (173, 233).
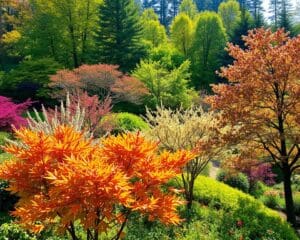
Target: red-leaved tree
(100, 79)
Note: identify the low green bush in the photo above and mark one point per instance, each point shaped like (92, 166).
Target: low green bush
(297, 203)
(257, 189)
(11, 231)
(239, 181)
(122, 122)
(3, 137)
(271, 199)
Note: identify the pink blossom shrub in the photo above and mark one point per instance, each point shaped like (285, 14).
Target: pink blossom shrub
(94, 110)
(11, 113)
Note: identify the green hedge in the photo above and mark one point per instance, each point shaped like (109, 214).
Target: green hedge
(239, 214)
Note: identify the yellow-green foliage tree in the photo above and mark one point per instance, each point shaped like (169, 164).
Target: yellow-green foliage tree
(189, 8)
(231, 15)
(168, 87)
(61, 29)
(153, 32)
(208, 46)
(182, 30)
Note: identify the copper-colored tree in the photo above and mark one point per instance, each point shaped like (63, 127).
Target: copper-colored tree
(100, 79)
(262, 100)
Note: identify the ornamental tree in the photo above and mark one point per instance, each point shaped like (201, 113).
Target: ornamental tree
(63, 177)
(261, 103)
(100, 79)
(192, 128)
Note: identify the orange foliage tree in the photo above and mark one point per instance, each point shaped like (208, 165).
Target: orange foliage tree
(261, 103)
(101, 79)
(64, 177)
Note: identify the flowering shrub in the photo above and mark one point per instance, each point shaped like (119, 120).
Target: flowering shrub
(94, 110)
(10, 113)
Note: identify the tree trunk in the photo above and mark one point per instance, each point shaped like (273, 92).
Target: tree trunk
(190, 194)
(289, 203)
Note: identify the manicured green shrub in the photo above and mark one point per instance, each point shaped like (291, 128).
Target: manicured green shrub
(11, 231)
(239, 181)
(122, 122)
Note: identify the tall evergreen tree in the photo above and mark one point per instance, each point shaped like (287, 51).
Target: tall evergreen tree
(215, 4)
(208, 4)
(163, 12)
(174, 7)
(275, 11)
(246, 23)
(256, 9)
(149, 4)
(285, 15)
(120, 33)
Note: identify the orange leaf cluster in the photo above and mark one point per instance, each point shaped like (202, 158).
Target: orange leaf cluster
(64, 177)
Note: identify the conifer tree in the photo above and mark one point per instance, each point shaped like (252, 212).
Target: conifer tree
(256, 9)
(285, 15)
(120, 33)
(275, 9)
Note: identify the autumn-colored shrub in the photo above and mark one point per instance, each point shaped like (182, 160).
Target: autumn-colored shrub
(63, 177)
(100, 79)
(247, 162)
(11, 113)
